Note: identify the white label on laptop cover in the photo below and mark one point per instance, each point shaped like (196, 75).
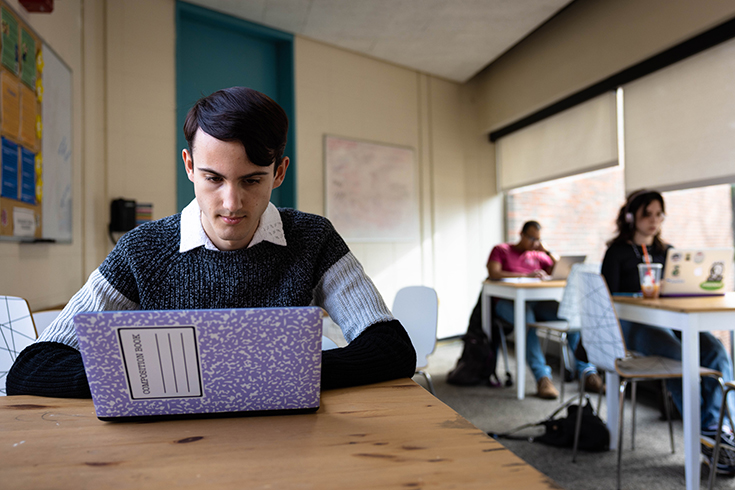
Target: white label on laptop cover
(161, 362)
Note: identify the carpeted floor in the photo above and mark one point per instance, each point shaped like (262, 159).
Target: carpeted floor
(651, 466)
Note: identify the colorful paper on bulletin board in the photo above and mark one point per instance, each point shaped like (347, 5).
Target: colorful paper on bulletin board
(10, 96)
(28, 117)
(27, 58)
(9, 157)
(9, 27)
(27, 176)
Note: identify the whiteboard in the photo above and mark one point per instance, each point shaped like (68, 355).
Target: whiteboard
(57, 148)
(371, 190)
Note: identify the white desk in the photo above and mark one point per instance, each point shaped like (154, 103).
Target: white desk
(689, 316)
(519, 292)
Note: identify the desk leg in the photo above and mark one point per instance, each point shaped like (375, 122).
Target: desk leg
(485, 308)
(691, 387)
(612, 381)
(519, 306)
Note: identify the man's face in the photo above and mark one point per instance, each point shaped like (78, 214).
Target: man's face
(530, 239)
(232, 192)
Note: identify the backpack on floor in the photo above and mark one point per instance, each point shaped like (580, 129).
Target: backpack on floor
(593, 433)
(479, 358)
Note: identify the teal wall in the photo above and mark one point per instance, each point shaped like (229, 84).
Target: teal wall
(215, 51)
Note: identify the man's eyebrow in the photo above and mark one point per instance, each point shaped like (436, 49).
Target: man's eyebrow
(257, 173)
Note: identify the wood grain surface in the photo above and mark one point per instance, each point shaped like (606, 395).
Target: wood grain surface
(387, 435)
(696, 304)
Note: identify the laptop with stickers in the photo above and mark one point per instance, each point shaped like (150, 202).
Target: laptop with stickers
(202, 363)
(696, 272)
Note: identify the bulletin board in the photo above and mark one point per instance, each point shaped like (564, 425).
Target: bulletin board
(35, 136)
(371, 190)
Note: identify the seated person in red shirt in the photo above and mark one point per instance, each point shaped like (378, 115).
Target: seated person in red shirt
(530, 258)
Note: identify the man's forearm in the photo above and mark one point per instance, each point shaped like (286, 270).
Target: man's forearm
(48, 369)
(383, 351)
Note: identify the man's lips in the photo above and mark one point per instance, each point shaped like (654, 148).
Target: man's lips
(232, 220)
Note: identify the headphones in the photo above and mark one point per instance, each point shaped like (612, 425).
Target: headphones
(629, 218)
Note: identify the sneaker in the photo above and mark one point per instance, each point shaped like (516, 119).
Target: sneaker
(593, 384)
(726, 456)
(546, 389)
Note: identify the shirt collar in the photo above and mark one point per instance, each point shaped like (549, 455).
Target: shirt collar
(270, 229)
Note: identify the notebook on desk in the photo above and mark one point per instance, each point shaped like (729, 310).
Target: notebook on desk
(696, 272)
(199, 363)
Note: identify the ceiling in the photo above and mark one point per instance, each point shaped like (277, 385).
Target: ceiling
(452, 39)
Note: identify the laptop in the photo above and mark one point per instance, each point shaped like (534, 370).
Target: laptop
(696, 271)
(564, 265)
(202, 363)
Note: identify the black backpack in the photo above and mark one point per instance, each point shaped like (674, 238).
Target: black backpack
(593, 433)
(480, 355)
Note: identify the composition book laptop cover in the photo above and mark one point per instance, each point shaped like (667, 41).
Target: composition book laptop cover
(189, 363)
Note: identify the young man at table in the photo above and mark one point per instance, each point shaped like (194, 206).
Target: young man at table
(230, 248)
(529, 257)
(639, 223)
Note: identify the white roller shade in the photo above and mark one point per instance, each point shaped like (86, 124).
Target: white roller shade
(580, 139)
(680, 123)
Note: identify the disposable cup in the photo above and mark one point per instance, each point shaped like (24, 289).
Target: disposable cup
(650, 276)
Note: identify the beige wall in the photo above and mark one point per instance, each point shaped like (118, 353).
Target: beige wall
(586, 43)
(345, 94)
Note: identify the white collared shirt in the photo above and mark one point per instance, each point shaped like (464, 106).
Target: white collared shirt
(270, 229)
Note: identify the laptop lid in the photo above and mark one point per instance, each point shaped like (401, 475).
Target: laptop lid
(563, 266)
(195, 363)
(696, 271)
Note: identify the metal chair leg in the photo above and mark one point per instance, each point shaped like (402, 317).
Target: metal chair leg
(427, 376)
(718, 438)
(634, 390)
(578, 425)
(621, 389)
(667, 410)
(562, 355)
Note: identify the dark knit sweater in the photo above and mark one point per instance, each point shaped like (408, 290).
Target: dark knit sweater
(147, 270)
(620, 266)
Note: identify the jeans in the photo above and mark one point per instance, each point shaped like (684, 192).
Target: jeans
(538, 311)
(655, 341)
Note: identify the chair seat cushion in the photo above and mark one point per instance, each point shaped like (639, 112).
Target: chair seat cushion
(654, 367)
(557, 325)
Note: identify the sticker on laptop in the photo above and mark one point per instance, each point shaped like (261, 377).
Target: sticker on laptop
(161, 362)
(714, 280)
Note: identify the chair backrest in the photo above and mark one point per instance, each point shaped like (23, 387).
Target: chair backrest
(43, 319)
(17, 331)
(417, 308)
(569, 307)
(601, 334)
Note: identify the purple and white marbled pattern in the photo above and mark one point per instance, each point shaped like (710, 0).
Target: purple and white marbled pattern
(249, 359)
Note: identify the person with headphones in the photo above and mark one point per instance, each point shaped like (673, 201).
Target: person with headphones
(639, 223)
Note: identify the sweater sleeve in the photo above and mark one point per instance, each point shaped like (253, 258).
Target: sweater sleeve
(48, 369)
(381, 352)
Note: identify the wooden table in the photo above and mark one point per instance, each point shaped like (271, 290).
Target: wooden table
(689, 316)
(387, 435)
(519, 292)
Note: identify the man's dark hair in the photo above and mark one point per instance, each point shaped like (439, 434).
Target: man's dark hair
(530, 224)
(245, 115)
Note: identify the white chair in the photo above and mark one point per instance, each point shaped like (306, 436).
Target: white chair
(17, 331)
(43, 319)
(569, 312)
(605, 346)
(417, 308)
(327, 343)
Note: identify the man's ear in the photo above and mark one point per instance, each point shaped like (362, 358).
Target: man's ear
(188, 163)
(281, 172)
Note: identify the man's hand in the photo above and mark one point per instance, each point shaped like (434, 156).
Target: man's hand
(540, 273)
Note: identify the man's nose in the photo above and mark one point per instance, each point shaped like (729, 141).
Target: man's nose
(232, 200)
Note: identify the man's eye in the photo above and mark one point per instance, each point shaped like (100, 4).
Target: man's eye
(252, 181)
(213, 178)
